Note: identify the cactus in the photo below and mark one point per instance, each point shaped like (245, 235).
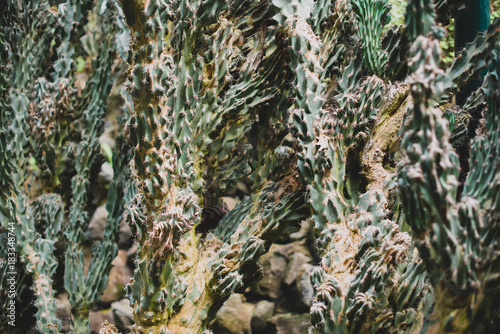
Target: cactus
(318, 107)
(462, 223)
(49, 136)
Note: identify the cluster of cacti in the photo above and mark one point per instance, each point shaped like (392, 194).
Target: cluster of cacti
(49, 154)
(207, 98)
(322, 110)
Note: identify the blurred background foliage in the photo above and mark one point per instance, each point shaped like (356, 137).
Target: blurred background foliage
(448, 42)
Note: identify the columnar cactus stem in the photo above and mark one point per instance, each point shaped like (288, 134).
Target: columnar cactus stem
(37, 251)
(453, 233)
(372, 17)
(356, 235)
(41, 105)
(185, 105)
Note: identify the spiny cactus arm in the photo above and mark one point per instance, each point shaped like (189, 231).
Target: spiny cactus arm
(472, 60)
(356, 293)
(247, 231)
(420, 19)
(362, 250)
(306, 63)
(35, 250)
(85, 290)
(320, 15)
(6, 181)
(28, 33)
(372, 16)
(395, 43)
(335, 39)
(479, 207)
(428, 188)
(186, 297)
(104, 252)
(226, 263)
(447, 10)
(48, 212)
(258, 124)
(165, 79)
(32, 30)
(325, 142)
(52, 108)
(484, 159)
(172, 299)
(74, 278)
(74, 16)
(428, 150)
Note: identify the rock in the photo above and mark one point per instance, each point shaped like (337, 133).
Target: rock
(242, 187)
(292, 248)
(119, 276)
(104, 178)
(98, 223)
(108, 137)
(63, 311)
(97, 318)
(125, 239)
(131, 255)
(106, 172)
(234, 316)
(230, 202)
(306, 231)
(274, 265)
(290, 323)
(305, 289)
(123, 315)
(281, 264)
(262, 312)
(294, 266)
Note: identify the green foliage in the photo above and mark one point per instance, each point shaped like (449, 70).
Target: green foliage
(447, 44)
(397, 11)
(495, 9)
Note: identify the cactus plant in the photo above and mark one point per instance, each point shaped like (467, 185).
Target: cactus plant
(319, 107)
(50, 136)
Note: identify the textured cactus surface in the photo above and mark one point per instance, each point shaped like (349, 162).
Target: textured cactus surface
(50, 148)
(320, 108)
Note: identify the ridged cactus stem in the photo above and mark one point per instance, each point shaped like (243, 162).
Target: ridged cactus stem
(46, 116)
(468, 24)
(37, 252)
(80, 320)
(192, 97)
(453, 233)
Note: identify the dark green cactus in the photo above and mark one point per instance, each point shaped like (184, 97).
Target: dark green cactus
(322, 110)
